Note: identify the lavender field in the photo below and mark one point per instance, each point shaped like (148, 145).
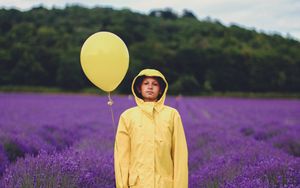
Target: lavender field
(61, 140)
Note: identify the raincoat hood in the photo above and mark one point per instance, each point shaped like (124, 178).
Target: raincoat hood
(148, 106)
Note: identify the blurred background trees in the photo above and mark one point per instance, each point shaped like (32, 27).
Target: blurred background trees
(41, 47)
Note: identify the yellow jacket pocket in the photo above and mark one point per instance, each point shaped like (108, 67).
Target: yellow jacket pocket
(133, 180)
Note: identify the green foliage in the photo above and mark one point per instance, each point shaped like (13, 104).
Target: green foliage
(186, 84)
(41, 47)
(13, 150)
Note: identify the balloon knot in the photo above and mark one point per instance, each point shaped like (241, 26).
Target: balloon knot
(110, 103)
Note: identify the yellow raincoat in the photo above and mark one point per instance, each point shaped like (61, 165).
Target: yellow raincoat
(150, 146)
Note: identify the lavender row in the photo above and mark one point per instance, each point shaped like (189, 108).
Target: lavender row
(232, 142)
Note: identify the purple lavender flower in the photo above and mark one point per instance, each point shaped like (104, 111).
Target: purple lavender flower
(67, 140)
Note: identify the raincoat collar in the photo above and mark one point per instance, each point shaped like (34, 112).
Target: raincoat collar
(148, 107)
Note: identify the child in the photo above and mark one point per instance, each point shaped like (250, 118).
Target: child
(150, 146)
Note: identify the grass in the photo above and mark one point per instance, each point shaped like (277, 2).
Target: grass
(44, 89)
(94, 90)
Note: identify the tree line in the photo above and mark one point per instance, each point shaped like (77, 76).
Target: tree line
(41, 47)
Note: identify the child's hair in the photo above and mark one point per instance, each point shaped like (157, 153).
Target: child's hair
(138, 83)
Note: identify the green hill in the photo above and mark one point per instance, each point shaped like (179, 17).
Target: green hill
(41, 47)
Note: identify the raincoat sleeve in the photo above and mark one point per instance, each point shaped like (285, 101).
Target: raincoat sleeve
(179, 154)
(122, 154)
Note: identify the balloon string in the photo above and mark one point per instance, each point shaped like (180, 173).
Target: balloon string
(110, 103)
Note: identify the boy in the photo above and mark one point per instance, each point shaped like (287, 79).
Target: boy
(150, 146)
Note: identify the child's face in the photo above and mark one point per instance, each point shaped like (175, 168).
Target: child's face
(150, 89)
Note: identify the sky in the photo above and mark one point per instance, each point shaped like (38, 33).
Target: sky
(268, 16)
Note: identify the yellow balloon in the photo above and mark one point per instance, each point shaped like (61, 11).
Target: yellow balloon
(104, 59)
